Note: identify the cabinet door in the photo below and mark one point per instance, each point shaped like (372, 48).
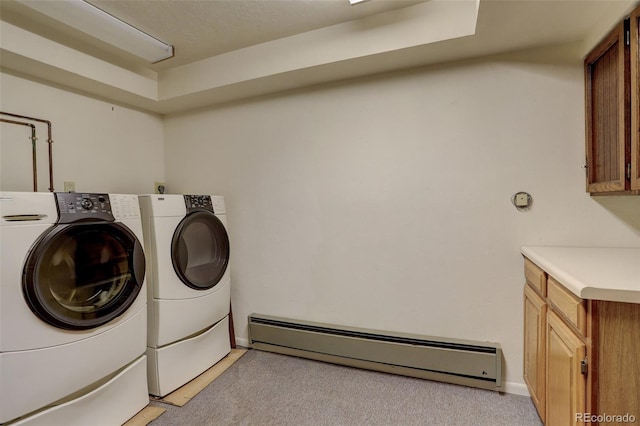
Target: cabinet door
(566, 385)
(618, 344)
(607, 113)
(635, 98)
(535, 313)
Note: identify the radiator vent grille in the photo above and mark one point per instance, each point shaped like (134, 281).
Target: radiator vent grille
(464, 362)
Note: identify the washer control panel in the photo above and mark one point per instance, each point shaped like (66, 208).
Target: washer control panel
(79, 207)
(198, 202)
(218, 204)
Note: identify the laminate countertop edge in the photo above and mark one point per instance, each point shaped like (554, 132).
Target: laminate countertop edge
(598, 273)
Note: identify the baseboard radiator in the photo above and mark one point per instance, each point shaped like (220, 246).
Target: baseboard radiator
(463, 362)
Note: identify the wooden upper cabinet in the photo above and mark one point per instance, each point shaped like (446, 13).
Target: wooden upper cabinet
(607, 90)
(612, 96)
(635, 97)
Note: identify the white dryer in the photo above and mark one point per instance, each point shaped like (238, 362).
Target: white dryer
(189, 287)
(72, 309)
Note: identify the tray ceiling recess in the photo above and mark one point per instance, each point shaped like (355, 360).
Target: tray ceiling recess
(227, 51)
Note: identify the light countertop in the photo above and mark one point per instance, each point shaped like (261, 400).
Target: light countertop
(592, 273)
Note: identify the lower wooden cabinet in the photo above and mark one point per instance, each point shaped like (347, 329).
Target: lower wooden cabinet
(566, 374)
(535, 319)
(615, 355)
(581, 357)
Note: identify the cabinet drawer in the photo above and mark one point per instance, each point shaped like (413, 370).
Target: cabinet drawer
(572, 308)
(535, 276)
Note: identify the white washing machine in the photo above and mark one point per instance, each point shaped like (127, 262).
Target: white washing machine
(72, 309)
(189, 287)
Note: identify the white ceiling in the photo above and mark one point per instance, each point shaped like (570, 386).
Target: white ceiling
(200, 29)
(232, 49)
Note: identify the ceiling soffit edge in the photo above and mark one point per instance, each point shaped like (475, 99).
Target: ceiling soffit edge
(421, 24)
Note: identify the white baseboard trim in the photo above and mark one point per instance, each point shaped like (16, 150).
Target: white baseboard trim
(240, 341)
(516, 388)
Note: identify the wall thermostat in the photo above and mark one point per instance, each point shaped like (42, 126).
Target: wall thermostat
(522, 201)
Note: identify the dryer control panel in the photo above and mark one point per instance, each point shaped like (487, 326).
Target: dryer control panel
(80, 207)
(198, 202)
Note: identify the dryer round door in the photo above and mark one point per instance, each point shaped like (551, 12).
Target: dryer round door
(200, 250)
(81, 276)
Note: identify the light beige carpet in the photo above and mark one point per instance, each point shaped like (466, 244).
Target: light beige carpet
(264, 389)
(182, 395)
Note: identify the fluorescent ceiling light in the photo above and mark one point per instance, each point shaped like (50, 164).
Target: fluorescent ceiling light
(356, 1)
(93, 21)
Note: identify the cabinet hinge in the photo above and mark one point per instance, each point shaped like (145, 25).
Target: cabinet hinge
(584, 367)
(628, 170)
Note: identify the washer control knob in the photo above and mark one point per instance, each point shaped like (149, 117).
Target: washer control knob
(86, 204)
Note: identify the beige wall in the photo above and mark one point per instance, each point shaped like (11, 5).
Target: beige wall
(100, 146)
(385, 202)
(381, 202)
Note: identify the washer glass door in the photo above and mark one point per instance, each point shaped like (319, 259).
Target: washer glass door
(81, 276)
(200, 250)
